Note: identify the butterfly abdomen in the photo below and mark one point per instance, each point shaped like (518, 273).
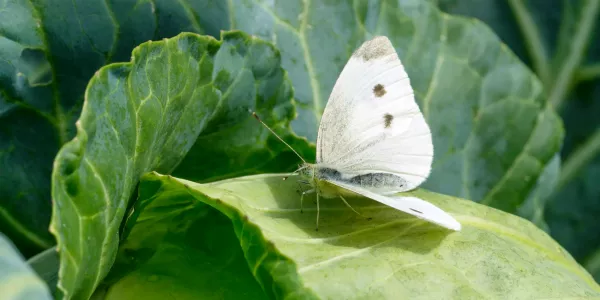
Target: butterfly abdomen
(370, 180)
(378, 180)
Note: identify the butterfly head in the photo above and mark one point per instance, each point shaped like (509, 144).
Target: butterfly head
(307, 170)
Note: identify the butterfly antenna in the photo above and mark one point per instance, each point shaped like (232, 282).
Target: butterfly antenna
(275, 134)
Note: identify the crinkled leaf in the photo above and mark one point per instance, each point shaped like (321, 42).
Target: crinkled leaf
(49, 50)
(572, 213)
(146, 115)
(54, 57)
(17, 280)
(393, 255)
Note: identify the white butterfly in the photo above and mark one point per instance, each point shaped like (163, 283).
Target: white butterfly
(373, 139)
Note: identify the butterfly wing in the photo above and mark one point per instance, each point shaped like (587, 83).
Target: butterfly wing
(371, 123)
(411, 205)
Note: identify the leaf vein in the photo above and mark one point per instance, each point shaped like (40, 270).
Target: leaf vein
(438, 62)
(335, 259)
(309, 63)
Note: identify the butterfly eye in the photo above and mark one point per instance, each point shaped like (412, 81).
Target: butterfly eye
(379, 90)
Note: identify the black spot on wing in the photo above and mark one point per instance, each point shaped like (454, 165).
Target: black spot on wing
(379, 90)
(387, 119)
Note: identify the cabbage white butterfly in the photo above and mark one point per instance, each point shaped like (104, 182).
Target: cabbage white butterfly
(373, 139)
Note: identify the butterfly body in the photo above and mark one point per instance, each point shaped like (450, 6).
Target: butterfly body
(320, 178)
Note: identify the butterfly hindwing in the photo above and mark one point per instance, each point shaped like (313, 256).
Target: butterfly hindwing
(411, 205)
(371, 123)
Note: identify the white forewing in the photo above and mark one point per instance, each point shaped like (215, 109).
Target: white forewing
(411, 205)
(371, 123)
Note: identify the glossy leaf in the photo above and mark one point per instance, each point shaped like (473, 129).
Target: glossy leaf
(393, 255)
(49, 50)
(146, 115)
(56, 56)
(30, 128)
(17, 280)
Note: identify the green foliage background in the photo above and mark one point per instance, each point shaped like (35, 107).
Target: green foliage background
(559, 40)
(493, 121)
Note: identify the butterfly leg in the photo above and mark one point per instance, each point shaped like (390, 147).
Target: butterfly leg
(300, 183)
(347, 204)
(300, 189)
(303, 192)
(302, 198)
(317, 212)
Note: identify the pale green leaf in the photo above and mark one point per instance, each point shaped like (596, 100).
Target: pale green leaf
(17, 280)
(496, 255)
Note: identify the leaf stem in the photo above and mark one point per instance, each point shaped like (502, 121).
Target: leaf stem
(588, 73)
(579, 159)
(576, 47)
(532, 37)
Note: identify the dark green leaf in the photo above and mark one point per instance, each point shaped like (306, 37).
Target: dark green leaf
(592, 264)
(48, 52)
(572, 213)
(29, 129)
(393, 255)
(146, 115)
(56, 60)
(17, 280)
(534, 206)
